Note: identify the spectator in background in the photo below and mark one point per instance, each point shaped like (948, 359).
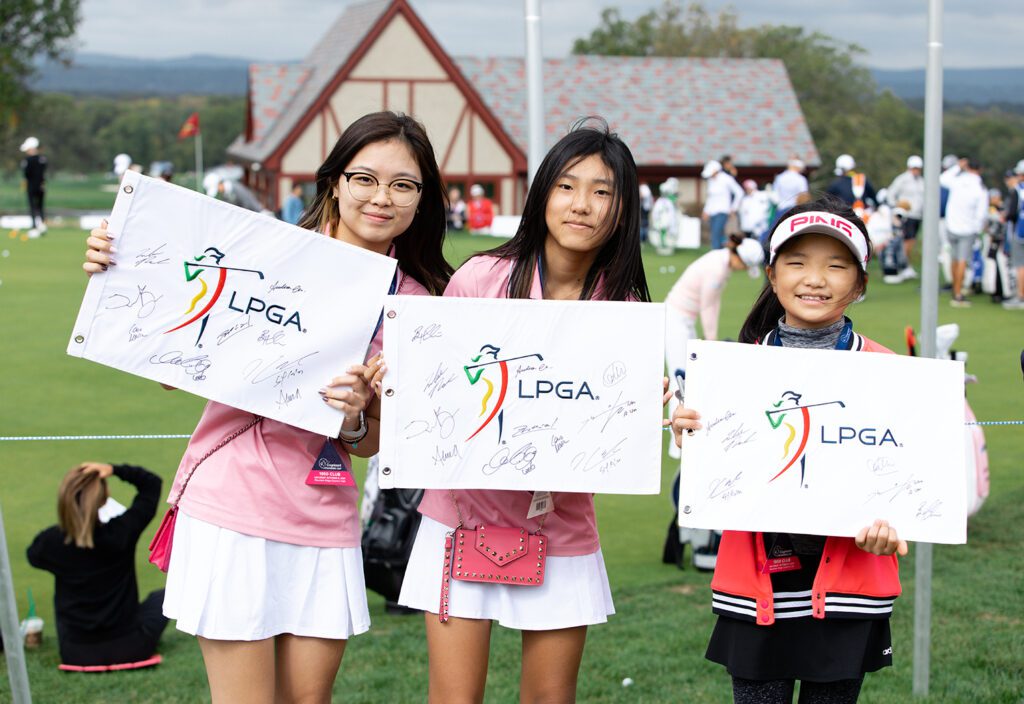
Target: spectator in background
(1014, 215)
(293, 206)
(788, 185)
(753, 210)
(966, 213)
(99, 618)
(122, 162)
(479, 210)
(456, 209)
(728, 167)
(852, 187)
(723, 198)
(907, 193)
(33, 167)
(664, 230)
(646, 204)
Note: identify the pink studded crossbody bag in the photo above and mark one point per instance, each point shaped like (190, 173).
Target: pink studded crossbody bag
(492, 554)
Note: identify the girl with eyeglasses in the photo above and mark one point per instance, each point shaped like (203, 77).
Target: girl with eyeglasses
(579, 239)
(266, 570)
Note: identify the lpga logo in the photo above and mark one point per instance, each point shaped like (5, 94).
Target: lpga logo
(786, 406)
(479, 370)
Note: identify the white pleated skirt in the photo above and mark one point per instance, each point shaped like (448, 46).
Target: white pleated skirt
(225, 585)
(575, 590)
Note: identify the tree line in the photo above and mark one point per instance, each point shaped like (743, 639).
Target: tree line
(845, 110)
(82, 134)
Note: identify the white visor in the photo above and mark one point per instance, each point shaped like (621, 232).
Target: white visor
(822, 223)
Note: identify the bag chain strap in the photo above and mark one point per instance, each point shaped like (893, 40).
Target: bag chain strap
(222, 443)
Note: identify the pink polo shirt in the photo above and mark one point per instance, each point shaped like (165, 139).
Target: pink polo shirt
(572, 527)
(256, 484)
(699, 290)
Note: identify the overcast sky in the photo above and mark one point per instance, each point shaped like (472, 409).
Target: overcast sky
(977, 33)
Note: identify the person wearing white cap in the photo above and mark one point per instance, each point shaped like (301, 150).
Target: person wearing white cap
(698, 294)
(852, 187)
(966, 213)
(33, 167)
(664, 225)
(479, 209)
(907, 192)
(788, 185)
(804, 607)
(1014, 215)
(754, 209)
(723, 198)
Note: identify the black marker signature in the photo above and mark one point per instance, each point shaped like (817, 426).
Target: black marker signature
(430, 332)
(280, 369)
(145, 300)
(281, 286)
(716, 421)
(600, 459)
(725, 487)
(614, 410)
(151, 256)
(615, 373)
(521, 460)
(193, 366)
(285, 398)
(442, 456)
(738, 436)
(272, 338)
(439, 379)
(534, 428)
(230, 332)
(443, 422)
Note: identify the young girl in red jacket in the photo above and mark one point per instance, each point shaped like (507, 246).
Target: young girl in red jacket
(822, 619)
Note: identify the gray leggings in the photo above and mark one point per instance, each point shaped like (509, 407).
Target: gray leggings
(781, 691)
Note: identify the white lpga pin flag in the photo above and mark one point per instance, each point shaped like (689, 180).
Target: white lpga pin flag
(229, 304)
(522, 394)
(824, 442)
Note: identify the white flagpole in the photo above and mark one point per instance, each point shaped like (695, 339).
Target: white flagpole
(199, 161)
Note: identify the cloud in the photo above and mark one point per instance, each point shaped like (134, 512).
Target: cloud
(893, 33)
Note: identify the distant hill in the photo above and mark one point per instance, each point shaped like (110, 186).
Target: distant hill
(960, 85)
(103, 74)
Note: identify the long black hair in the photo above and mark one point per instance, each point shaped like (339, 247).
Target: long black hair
(767, 310)
(618, 260)
(418, 249)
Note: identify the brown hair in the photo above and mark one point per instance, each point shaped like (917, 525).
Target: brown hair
(78, 503)
(418, 249)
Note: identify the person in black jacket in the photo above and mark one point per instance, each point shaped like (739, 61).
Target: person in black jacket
(33, 167)
(99, 618)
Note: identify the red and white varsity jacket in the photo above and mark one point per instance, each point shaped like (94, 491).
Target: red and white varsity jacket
(849, 583)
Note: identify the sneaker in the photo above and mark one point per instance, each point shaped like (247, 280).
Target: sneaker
(33, 234)
(960, 302)
(909, 273)
(893, 278)
(1013, 304)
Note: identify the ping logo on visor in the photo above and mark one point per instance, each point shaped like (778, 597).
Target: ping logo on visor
(822, 223)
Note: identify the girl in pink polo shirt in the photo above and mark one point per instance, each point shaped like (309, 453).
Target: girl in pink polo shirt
(578, 240)
(266, 570)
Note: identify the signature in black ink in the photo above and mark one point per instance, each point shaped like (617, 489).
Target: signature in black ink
(601, 459)
(521, 460)
(272, 338)
(154, 255)
(230, 332)
(615, 373)
(134, 333)
(281, 286)
(285, 398)
(430, 332)
(929, 510)
(523, 368)
(725, 487)
(439, 379)
(145, 300)
(737, 436)
(443, 422)
(195, 367)
(280, 369)
(534, 428)
(882, 467)
(558, 442)
(908, 487)
(716, 421)
(442, 456)
(617, 409)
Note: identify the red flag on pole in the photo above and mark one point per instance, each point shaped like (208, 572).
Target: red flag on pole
(190, 128)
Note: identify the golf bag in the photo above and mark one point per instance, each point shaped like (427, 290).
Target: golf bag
(388, 537)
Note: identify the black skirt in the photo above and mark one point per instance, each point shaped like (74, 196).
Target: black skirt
(817, 650)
